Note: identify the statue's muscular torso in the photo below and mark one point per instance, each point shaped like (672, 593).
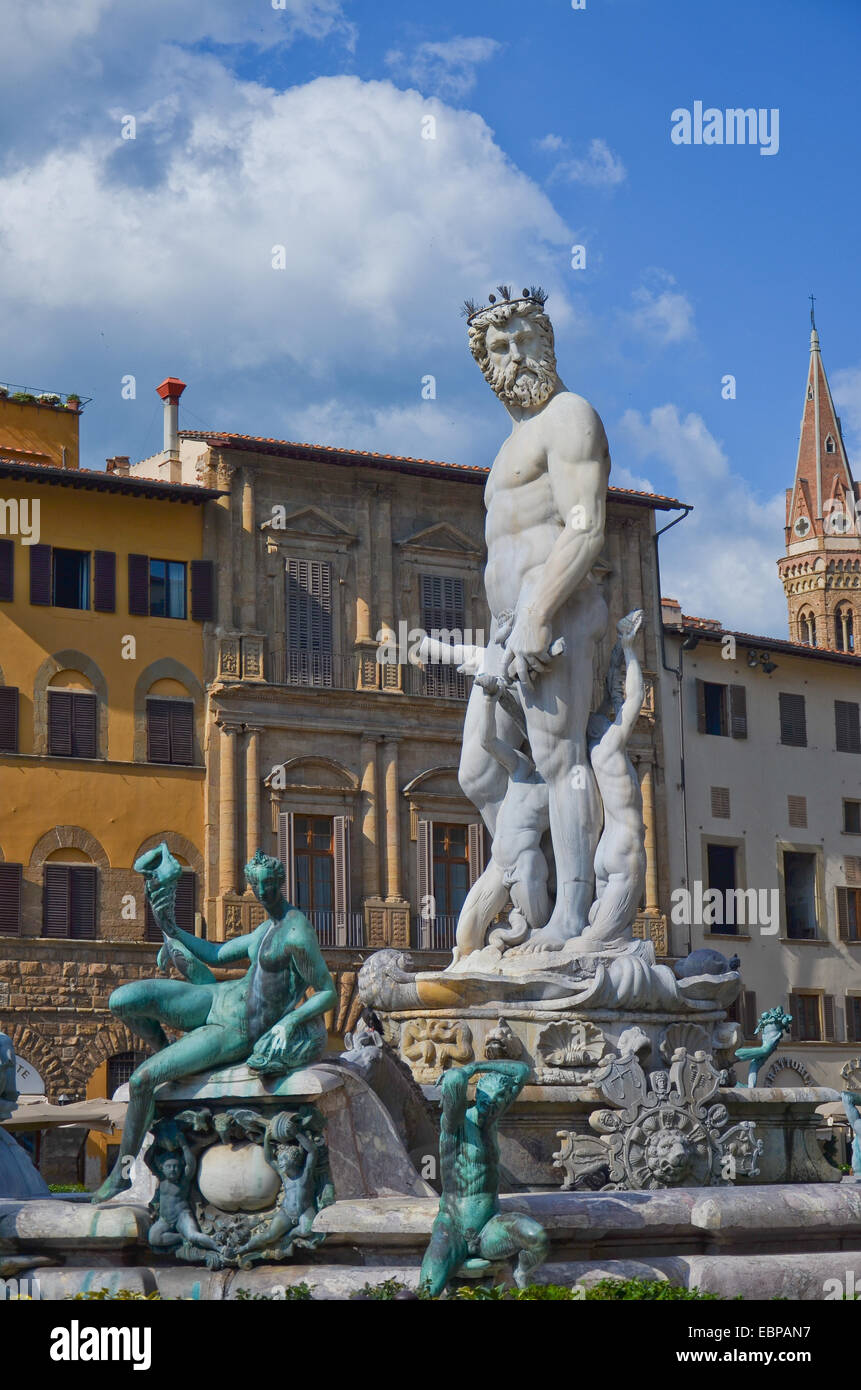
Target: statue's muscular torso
(519, 495)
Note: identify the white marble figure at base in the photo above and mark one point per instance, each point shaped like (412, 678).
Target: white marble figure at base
(517, 869)
(620, 859)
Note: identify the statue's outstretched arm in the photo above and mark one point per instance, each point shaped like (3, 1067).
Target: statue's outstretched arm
(635, 692)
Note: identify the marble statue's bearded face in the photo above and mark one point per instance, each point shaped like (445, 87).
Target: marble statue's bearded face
(515, 353)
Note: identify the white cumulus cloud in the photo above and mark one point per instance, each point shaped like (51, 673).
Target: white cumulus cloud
(447, 67)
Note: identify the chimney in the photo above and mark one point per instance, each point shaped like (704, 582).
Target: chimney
(120, 464)
(170, 391)
(671, 612)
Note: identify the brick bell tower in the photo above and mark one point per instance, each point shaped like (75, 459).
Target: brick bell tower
(821, 570)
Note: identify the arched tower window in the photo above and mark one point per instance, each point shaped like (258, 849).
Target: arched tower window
(807, 628)
(830, 446)
(844, 634)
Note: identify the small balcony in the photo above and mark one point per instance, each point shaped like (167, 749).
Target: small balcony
(435, 933)
(338, 928)
(332, 671)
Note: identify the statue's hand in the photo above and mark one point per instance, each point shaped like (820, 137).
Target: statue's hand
(629, 626)
(527, 651)
(271, 1052)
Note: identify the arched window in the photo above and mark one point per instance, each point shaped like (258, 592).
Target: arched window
(807, 628)
(844, 633)
(830, 446)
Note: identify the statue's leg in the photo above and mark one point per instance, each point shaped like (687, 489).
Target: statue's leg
(191, 1232)
(482, 779)
(206, 1047)
(557, 710)
(487, 896)
(616, 909)
(506, 1235)
(446, 1253)
(144, 1005)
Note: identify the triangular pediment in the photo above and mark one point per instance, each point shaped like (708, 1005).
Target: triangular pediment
(309, 521)
(442, 536)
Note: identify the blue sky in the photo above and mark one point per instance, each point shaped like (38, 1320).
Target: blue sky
(301, 127)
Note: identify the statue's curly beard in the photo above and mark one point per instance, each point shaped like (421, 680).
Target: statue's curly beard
(525, 384)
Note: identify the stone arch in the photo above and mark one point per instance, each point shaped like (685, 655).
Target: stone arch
(178, 845)
(52, 666)
(347, 780)
(430, 774)
(166, 668)
(43, 1056)
(68, 837)
(114, 1037)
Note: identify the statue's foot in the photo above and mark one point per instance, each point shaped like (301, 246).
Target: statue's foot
(112, 1186)
(544, 939)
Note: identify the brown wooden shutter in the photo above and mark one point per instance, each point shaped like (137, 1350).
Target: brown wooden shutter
(181, 731)
(793, 720)
(85, 710)
(83, 888)
(310, 642)
(60, 723)
(748, 1013)
(847, 726)
(797, 811)
(701, 706)
(40, 574)
(476, 851)
(829, 1033)
(202, 591)
(341, 846)
(158, 731)
(8, 719)
(105, 581)
(720, 803)
(795, 1011)
(139, 585)
(424, 877)
(7, 571)
(443, 611)
(738, 711)
(185, 901)
(286, 853)
(843, 914)
(55, 900)
(10, 899)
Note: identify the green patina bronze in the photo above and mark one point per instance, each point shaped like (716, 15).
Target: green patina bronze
(771, 1027)
(471, 1233)
(262, 1018)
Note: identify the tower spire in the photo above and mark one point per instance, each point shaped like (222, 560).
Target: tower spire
(823, 546)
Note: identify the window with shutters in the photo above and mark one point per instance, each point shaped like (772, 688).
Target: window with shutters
(721, 709)
(852, 817)
(8, 719)
(71, 578)
(722, 877)
(847, 726)
(7, 571)
(720, 803)
(69, 894)
(443, 617)
(309, 654)
(806, 1011)
(799, 882)
(167, 589)
(797, 811)
(450, 868)
(853, 1018)
(849, 914)
(170, 731)
(184, 908)
(10, 899)
(314, 859)
(793, 720)
(72, 724)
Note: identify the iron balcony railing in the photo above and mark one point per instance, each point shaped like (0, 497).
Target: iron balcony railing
(338, 928)
(332, 671)
(435, 933)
